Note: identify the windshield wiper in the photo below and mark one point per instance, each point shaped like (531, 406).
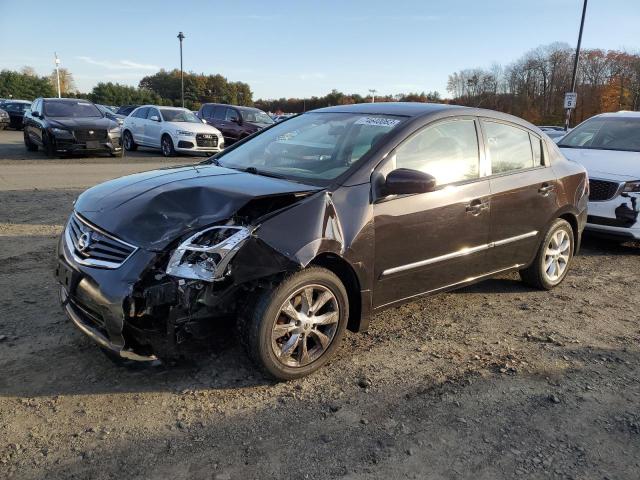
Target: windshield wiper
(255, 171)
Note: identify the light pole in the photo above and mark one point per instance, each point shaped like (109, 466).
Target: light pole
(575, 65)
(181, 37)
(373, 92)
(57, 62)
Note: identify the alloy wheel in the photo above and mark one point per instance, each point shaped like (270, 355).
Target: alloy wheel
(556, 255)
(305, 326)
(166, 148)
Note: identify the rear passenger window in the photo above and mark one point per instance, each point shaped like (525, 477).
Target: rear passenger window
(536, 146)
(509, 147)
(447, 150)
(232, 114)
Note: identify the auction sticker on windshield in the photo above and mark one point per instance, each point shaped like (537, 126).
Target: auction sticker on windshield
(378, 121)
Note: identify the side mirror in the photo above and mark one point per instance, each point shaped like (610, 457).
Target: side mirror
(403, 181)
(35, 114)
(237, 120)
(203, 120)
(155, 118)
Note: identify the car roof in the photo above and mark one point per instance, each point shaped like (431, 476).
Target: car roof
(620, 114)
(417, 109)
(239, 107)
(18, 101)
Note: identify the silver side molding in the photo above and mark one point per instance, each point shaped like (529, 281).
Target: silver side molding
(460, 253)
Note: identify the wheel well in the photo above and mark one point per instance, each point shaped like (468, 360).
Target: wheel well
(348, 277)
(573, 221)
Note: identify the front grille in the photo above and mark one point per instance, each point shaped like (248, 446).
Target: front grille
(206, 140)
(86, 134)
(601, 190)
(90, 246)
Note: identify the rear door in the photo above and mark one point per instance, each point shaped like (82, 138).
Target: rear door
(523, 192)
(438, 239)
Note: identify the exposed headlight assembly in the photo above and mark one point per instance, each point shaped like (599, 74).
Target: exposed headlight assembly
(205, 255)
(632, 187)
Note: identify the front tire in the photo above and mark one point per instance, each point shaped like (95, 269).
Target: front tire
(128, 142)
(31, 147)
(166, 144)
(48, 145)
(295, 328)
(553, 259)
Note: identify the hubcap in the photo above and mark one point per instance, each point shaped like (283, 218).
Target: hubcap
(556, 256)
(305, 326)
(127, 141)
(165, 147)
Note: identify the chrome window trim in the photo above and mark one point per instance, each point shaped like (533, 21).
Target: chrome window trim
(460, 253)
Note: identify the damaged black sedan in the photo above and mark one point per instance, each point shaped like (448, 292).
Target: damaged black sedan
(310, 226)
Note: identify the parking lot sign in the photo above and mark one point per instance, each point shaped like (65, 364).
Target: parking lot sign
(570, 100)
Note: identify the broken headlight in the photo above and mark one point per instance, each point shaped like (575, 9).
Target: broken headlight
(205, 255)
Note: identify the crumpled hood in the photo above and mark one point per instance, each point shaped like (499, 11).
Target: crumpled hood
(88, 122)
(606, 164)
(151, 209)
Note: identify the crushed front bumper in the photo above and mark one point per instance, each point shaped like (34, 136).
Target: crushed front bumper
(618, 217)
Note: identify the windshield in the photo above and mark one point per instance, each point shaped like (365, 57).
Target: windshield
(73, 109)
(605, 133)
(16, 107)
(172, 115)
(256, 116)
(314, 147)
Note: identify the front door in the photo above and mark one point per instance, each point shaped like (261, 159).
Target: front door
(523, 192)
(152, 128)
(434, 240)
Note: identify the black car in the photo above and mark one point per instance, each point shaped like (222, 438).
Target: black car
(67, 126)
(234, 122)
(313, 225)
(16, 110)
(126, 109)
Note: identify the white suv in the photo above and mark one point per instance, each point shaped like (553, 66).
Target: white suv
(608, 146)
(171, 129)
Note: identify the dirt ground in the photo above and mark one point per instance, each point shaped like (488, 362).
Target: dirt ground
(495, 381)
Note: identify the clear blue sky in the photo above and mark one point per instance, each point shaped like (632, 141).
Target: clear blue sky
(301, 48)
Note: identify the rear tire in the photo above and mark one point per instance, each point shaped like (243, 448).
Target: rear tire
(296, 343)
(166, 144)
(127, 141)
(552, 262)
(31, 147)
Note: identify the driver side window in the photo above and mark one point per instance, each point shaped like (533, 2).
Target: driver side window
(447, 150)
(232, 115)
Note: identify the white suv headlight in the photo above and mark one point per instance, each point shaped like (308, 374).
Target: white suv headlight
(633, 187)
(205, 255)
(185, 132)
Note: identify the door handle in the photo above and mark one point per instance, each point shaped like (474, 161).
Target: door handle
(546, 189)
